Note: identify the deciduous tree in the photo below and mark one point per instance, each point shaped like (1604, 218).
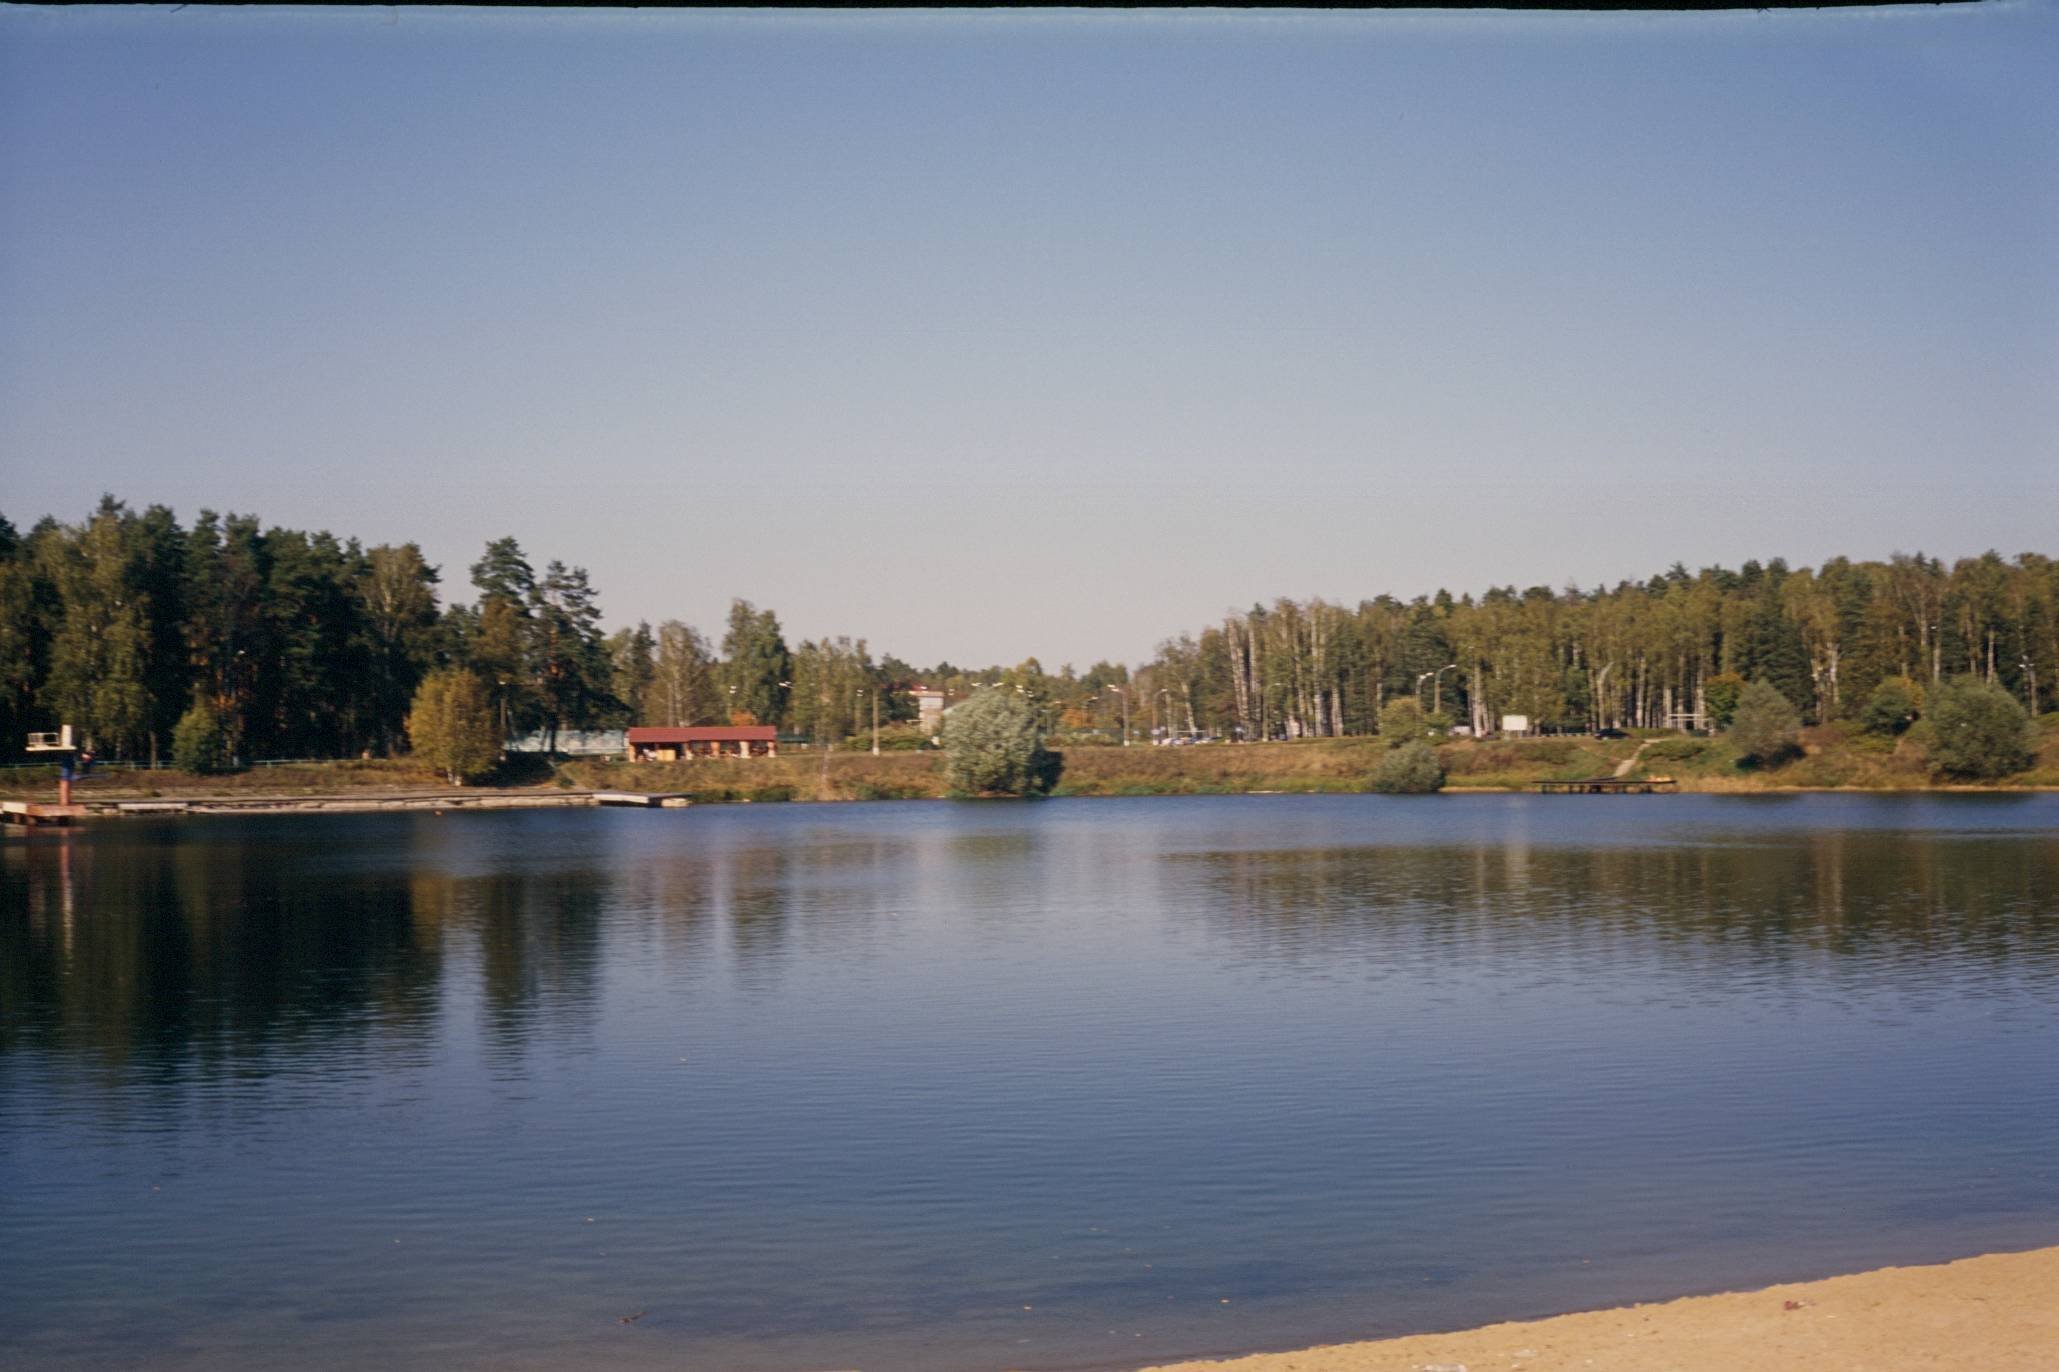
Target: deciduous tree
(1403, 721)
(398, 589)
(452, 725)
(683, 689)
(757, 669)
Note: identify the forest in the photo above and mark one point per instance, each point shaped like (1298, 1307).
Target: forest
(305, 645)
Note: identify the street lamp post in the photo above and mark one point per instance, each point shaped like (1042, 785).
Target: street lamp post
(1125, 713)
(1436, 680)
(875, 718)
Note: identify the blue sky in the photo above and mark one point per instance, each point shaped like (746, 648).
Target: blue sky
(990, 335)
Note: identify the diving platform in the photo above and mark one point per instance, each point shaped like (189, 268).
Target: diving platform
(35, 815)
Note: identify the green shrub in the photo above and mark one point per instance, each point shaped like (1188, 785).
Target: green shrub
(1675, 750)
(886, 790)
(1765, 728)
(1978, 730)
(1892, 707)
(1411, 769)
(993, 746)
(200, 744)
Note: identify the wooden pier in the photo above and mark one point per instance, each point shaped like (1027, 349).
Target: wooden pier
(32, 814)
(1608, 786)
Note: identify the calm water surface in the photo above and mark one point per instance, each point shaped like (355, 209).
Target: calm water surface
(1066, 1085)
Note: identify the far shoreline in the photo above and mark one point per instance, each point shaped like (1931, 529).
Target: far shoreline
(1832, 763)
(1993, 1311)
(486, 798)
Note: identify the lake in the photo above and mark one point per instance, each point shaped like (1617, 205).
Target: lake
(1059, 1085)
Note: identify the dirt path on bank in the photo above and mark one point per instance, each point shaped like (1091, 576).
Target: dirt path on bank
(1624, 767)
(1998, 1313)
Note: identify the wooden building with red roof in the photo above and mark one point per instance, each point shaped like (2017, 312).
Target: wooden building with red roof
(729, 740)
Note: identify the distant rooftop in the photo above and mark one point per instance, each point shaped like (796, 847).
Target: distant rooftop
(725, 733)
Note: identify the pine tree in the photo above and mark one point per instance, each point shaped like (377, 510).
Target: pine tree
(100, 644)
(570, 660)
(501, 648)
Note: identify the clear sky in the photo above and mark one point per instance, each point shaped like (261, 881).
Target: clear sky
(989, 335)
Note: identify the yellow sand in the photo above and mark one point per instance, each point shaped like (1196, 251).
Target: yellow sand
(1998, 1313)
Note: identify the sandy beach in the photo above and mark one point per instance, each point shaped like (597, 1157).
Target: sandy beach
(1996, 1313)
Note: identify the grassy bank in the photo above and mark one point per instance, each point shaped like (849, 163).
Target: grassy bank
(1317, 765)
(1833, 757)
(308, 778)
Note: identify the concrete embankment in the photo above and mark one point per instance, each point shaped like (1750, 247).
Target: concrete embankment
(372, 803)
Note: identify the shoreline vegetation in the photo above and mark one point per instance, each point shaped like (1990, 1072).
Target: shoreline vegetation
(1980, 1313)
(131, 635)
(1832, 758)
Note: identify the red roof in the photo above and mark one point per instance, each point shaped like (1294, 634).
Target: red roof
(745, 733)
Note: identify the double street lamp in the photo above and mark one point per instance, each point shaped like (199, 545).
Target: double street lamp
(1437, 680)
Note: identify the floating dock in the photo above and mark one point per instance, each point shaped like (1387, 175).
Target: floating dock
(1608, 786)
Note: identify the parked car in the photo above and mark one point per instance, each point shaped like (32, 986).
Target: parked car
(1610, 733)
